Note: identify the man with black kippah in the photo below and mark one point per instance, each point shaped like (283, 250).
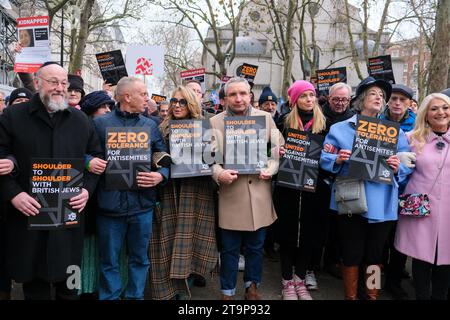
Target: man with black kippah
(44, 128)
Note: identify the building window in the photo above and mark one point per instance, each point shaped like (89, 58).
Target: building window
(405, 68)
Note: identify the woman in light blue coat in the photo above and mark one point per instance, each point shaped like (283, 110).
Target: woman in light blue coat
(363, 236)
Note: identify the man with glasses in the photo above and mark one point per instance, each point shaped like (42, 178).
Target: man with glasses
(337, 107)
(44, 128)
(398, 110)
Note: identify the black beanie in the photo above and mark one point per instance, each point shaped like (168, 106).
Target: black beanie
(19, 93)
(267, 95)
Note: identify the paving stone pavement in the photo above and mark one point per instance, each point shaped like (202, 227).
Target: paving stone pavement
(330, 288)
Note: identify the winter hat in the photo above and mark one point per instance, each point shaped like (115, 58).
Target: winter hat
(91, 102)
(297, 89)
(19, 93)
(76, 83)
(371, 81)
(267, 95)
(404, 90)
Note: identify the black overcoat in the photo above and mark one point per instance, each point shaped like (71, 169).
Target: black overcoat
(27, 131)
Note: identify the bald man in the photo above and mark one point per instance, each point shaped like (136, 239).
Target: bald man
(127, 213)
(44, 128)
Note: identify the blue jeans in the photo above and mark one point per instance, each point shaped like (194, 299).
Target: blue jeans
(253, 242)
(111, 235)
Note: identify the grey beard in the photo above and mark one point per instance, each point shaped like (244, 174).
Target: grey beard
(54, 106)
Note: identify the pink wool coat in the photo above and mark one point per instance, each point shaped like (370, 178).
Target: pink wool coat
(428, 238)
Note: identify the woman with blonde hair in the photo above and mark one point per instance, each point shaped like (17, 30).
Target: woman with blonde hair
(183, 240)
(301, 224)
(427, 239)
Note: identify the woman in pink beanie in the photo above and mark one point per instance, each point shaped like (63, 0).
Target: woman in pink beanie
(302, 216)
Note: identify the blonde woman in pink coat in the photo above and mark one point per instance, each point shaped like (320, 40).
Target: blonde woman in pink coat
(427, 239)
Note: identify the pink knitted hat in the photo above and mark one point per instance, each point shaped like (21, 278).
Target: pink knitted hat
(297, 88)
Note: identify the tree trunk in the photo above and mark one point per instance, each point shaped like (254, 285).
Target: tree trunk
(288, 57)
(438, 70)
(77, 62)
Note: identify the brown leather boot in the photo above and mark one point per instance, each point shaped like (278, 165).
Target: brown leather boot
(251, 293)
(371, 293)
(227, 298)
(350, 277)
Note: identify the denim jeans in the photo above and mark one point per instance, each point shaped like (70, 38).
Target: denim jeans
(111, 235)
(253, 242)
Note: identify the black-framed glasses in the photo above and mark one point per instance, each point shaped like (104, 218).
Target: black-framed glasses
(340, 100)
(182, 102)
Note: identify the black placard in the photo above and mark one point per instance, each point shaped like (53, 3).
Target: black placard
(53, 183)
(245, 144)
(381, 68)
(190, 148)
(327, 77)
(111, 66)
(299, 166)
(127, 152)
(248, 71)
(375, 141)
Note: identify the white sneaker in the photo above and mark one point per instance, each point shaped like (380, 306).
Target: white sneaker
(241, 263)
(311, 281)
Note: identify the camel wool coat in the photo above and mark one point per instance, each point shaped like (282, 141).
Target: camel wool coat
(246, 204)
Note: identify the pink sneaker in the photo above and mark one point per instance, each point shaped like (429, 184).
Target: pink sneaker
(288, 291)
(300, 289)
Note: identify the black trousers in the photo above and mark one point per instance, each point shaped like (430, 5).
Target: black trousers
(396, 262)
(430, 278)
(362, 243)
(42, 290)
(332, 252)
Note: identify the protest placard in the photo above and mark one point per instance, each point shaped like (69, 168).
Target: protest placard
(190, 148)
(299, 166)
(194, 74)
(127, 153)
(375, 141)
(34, 37)
(327, 77)
(248, 71)
(53, 183)
(158, 98)
(381, 68)
(112, 66)
(245, 144)
(145, 60)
